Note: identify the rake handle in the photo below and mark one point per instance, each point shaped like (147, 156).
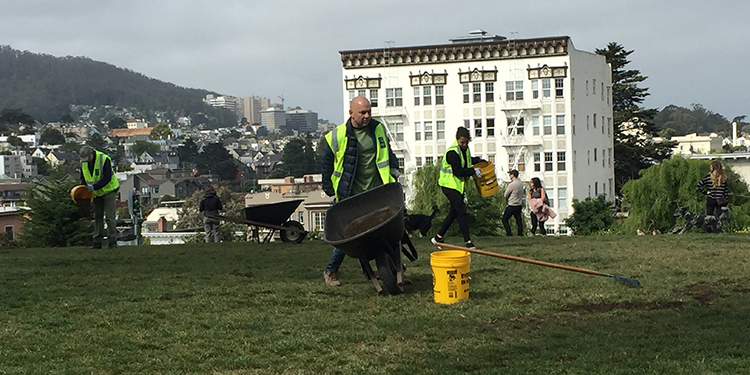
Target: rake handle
(525, 260)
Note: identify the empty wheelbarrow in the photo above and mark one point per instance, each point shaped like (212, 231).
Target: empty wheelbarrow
(273, 216)
(370, 226)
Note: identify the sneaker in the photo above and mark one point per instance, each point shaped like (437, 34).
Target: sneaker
(470, 245)
(331, 277)
(436, 240)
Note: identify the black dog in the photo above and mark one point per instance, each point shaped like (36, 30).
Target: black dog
(420, 222)
(709, 223)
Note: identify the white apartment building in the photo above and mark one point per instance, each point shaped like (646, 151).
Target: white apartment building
(536, 105)
(17, 165)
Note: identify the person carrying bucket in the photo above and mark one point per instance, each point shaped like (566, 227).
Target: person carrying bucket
(455, 171)
(356, 157)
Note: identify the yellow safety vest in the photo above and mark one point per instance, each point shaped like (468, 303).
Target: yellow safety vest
(447, 178)
(337, 141)
(93, 178)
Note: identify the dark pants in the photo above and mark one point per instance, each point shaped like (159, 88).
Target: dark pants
(104, 206)
(535, 222)
(711, 205)
(514, 211)
(457, 212)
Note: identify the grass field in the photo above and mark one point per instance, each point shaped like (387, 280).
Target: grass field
(264, 309)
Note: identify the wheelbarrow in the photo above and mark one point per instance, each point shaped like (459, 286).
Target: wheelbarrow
(370, 226)
(273, 216)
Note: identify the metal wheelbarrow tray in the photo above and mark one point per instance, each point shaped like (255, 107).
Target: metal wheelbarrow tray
(370, 226)
(273, 216)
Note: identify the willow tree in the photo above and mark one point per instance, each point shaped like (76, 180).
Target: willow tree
(653, 198)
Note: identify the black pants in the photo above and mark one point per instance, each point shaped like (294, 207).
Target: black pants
(457, 212)
(712, 205)
(514, 211)
(535, 222)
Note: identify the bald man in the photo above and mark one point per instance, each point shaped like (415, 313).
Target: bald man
(368, 162)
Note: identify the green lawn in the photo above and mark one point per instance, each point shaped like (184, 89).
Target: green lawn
(264, 309)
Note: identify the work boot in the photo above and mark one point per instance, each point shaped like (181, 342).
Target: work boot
(470, 245)
(436, 240)
(331, 277)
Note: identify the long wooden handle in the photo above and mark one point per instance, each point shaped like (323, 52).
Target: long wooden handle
(519, 259)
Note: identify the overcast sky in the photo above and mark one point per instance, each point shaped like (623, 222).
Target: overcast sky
(691, 51)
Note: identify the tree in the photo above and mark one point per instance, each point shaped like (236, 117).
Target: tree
(191, 217)
(216, 160)
(188, 152)
(67, 119)
(294, 157)
(16, 141)
(634, 128)
(590, 216)
(141, 146)
(116, 123)
(54, 220)
(15, 116)
(42, 167)
(51, 136)
(696, 119)
(97, 142)
(652, 199)
(161, 131)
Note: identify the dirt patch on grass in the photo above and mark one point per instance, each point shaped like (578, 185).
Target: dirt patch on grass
(610, 306)
(707, 293)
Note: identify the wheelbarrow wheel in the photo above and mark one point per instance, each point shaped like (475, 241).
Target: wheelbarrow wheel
(292, 236)
(387, 273)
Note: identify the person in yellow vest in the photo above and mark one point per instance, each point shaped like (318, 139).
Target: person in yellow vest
(97, 173)
(356, 157)
(455, 172)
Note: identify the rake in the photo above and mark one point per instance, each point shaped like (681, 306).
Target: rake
(632, 283)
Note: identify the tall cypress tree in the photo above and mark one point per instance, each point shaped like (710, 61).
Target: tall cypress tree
(634, 126)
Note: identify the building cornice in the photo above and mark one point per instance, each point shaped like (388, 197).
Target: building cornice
(459, 52)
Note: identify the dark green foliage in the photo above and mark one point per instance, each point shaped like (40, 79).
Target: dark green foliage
(13, 116)
(45, 86)
(696, 119)
(141, 146)
(483, 213)
(188, 152)
(161, 131)
(42, 167)
(590, 216)
(116, 123)
(215, 159)
(15, 141)
(97, 142)
(633, 125)
(652, 199)
(51, 136)
(298, 158)
(54, 219)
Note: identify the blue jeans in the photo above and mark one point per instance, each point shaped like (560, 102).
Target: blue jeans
(337, 257)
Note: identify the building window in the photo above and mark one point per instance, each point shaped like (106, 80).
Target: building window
(427, 93)
(319, 220)
(514, 90)
(593, 88)
(536, 125)
(596, 188)
(537, 162)
(548, 163)
(417, 95)
(490, 127)
(603, 158)
(594, 120)
(155, 190)
(491, 158)
(561, 161)
(562, 197)
(373, 98)
(466, 92)
(559, 87)
(400, 164)
(547, 125)
(440, 129)
(418, 161)
(489, 92)
(521, 162)
(301, 218)
(560, 124)
(394, 97)
(361, 92)
(609, 157)
(467, 124)
(417, 131)
(352, 95)
(546, 89)
(477, 91)
(428, 130)
(515, 126)
(595, 154)
(535, 89)
(439, 98)
(429, 160)
(477, 127)
(9, 233)
(398, 130)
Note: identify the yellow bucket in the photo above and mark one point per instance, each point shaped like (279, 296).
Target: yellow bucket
(487, 184)
(450, 275)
